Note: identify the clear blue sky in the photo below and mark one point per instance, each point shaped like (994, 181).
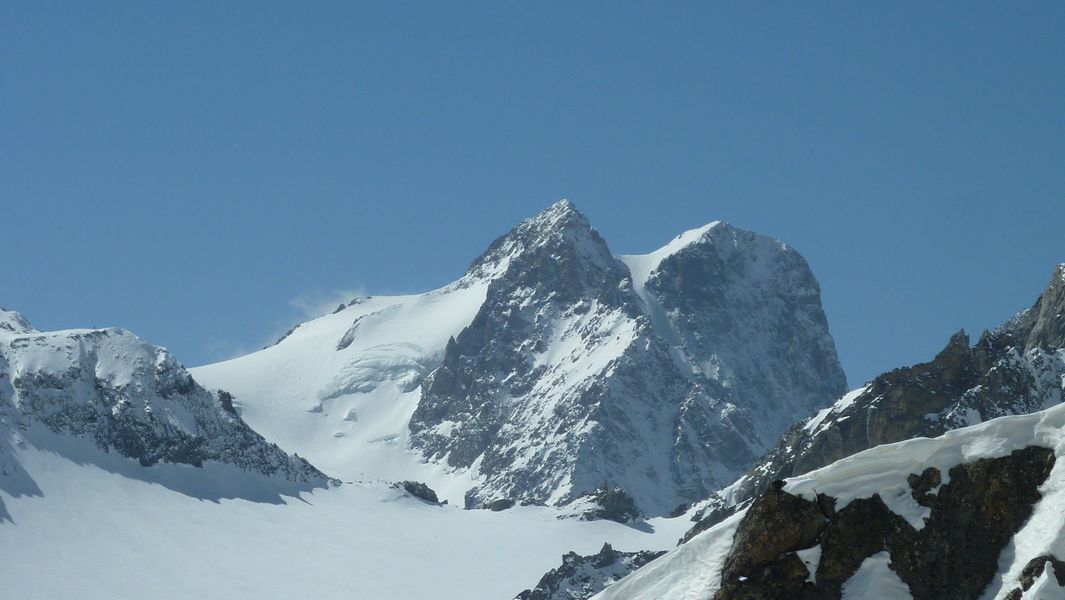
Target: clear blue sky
(197, 172)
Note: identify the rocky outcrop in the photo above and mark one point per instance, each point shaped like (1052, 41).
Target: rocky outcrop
(611, 504)
(1034, 570)
(581, 577)
(664, 374)
(419, 490)
(953, 556)
(775, 525)
(500, 505)
(1015, 369)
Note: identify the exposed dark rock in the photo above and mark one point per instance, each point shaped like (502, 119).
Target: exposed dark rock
(349, 335)
(1035, 567)
(581, 577)
(500, 504)
(973, 518)
(953, 557)
(611, 504)
(226, 400)
(282, 338)
(776, 524)
(921, 485)
(858, 530)
(785, 577)
(419, 490)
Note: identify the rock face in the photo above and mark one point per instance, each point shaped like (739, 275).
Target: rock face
(954, 556)
(419, 490)
(129, 397)
(581, 577)
(1043, 326)
(664, 374)
(1015, 369)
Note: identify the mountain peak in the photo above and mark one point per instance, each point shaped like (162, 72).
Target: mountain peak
(12, 322)
(560, 219)
(559, 213)
(559, 228)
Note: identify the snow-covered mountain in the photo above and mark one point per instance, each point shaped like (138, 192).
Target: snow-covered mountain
(121, 477)
(127, 397)
(1018, 368)
(553, 367)
(551, 372)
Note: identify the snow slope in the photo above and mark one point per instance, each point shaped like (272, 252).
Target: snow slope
(347, 409)
(101, 526)
(693, 570)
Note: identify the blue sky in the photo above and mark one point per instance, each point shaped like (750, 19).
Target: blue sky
(201, 173)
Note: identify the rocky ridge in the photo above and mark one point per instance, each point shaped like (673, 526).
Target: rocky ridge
(129, 397)
(581, 577)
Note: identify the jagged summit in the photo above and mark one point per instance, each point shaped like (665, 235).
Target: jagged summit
(560, 212)
(13, 322)
(559, 230)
